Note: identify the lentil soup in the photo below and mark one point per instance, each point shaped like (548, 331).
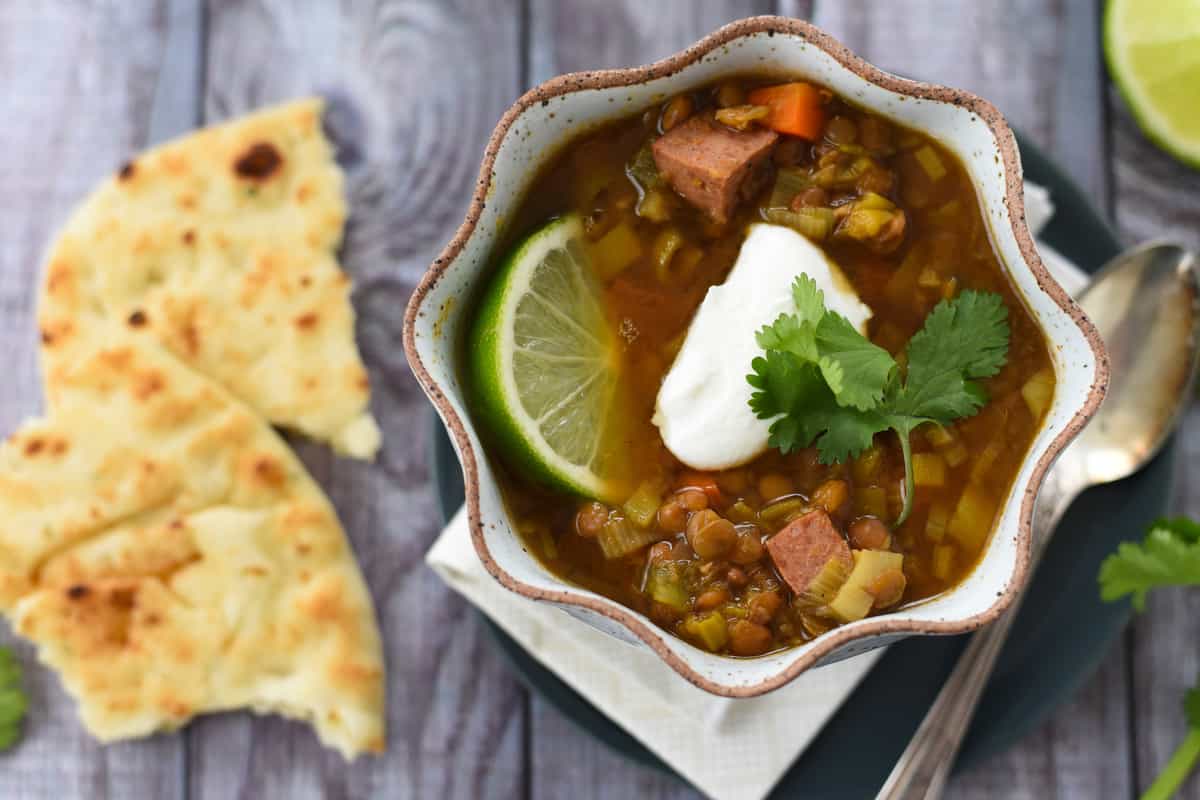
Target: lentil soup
(770, 553)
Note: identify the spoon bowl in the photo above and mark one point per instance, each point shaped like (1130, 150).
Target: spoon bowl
(1144, 303)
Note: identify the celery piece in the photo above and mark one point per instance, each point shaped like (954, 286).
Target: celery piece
(620, 537)
(943, 561)
(710, 630)
(928, 469)
(655, 205)
(929, 279)
(936, 521)
(740, 512)
(871, 501)
(972, 519)
(665, 585)
(931, 163)
(874, 200)
(1038, 391)
(615, 251)
(789, 182)
(955, 454)
(642, 169)
(668, 241)
(778, 511)
(987, 459)
(865, 468)
(902, 286)
(824, 587)
(642, 505)
(853, 601)
(939, 436)
(864, 223)
(813, 223)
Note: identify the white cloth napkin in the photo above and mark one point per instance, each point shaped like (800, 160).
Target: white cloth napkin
(746, 744)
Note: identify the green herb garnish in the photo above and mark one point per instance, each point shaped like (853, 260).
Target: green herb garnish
(825, 382)
(13, 701)
(1168, 556)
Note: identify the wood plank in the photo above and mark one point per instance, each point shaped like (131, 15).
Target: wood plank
(1038, 62)
(1157, 197)
(569, 36)
(410, 124)
(79, 80)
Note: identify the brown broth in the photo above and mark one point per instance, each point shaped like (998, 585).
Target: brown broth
(946, 246)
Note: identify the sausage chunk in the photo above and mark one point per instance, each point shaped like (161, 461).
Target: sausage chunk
(801, 549)
(712, 166)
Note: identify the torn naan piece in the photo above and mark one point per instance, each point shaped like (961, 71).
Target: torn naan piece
(170, 556)
(222, 246)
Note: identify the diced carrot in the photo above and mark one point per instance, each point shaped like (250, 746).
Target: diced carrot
(702, 481)
(795, 109)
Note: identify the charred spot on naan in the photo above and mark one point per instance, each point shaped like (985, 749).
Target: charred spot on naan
(259, 162)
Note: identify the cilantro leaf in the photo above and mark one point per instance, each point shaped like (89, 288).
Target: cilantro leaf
(862, 368)
(789, 335)
(796, 394)
(1191, 706)
(962, 339)
(967, 335)
(821, 381)
(1168, 556)
(794, 391)
(809, 300)
(1184, 528)
(13, 702)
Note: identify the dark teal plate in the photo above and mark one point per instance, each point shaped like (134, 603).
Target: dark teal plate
(1059, 639)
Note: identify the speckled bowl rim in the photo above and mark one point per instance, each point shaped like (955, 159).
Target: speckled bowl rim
(1013, 200)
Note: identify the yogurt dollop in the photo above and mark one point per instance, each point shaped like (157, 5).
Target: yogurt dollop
(703, 407)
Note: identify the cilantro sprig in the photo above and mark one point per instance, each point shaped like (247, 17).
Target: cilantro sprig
(823, 382)
(1168, 556)
(13, 702)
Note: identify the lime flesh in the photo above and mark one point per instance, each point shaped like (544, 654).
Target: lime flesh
(1153, 53)
(544, 364)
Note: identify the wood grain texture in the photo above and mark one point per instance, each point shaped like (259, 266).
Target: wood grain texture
(1038, 61)
(90, 82)
(79, 78)
(570, 36)
(1157, 197)
(410, 124)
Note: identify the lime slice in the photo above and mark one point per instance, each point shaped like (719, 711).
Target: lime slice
(1153, 53)
(544, 363)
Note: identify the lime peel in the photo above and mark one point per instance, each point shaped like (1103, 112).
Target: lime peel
(543, 363)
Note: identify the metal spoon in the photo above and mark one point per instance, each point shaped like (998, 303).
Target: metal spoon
(1144, 303)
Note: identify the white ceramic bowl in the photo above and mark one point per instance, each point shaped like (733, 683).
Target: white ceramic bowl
(550, 115)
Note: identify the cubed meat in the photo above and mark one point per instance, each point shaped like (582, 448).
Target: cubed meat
(712, 166)
(801, 550)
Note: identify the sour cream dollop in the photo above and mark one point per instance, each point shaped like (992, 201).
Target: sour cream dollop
(703, 407)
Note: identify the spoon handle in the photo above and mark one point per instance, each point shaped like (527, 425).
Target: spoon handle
(924, 766)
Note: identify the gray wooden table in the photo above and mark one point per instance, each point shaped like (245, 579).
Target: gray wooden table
(415, 87)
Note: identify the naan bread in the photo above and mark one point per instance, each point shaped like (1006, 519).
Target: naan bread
(222, 245)
(170, 556)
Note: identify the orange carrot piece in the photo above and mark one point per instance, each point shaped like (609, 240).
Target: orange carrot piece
(795, 109)
(702, 481)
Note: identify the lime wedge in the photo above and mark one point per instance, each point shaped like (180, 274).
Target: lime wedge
(544, 362)
(1153, 53)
